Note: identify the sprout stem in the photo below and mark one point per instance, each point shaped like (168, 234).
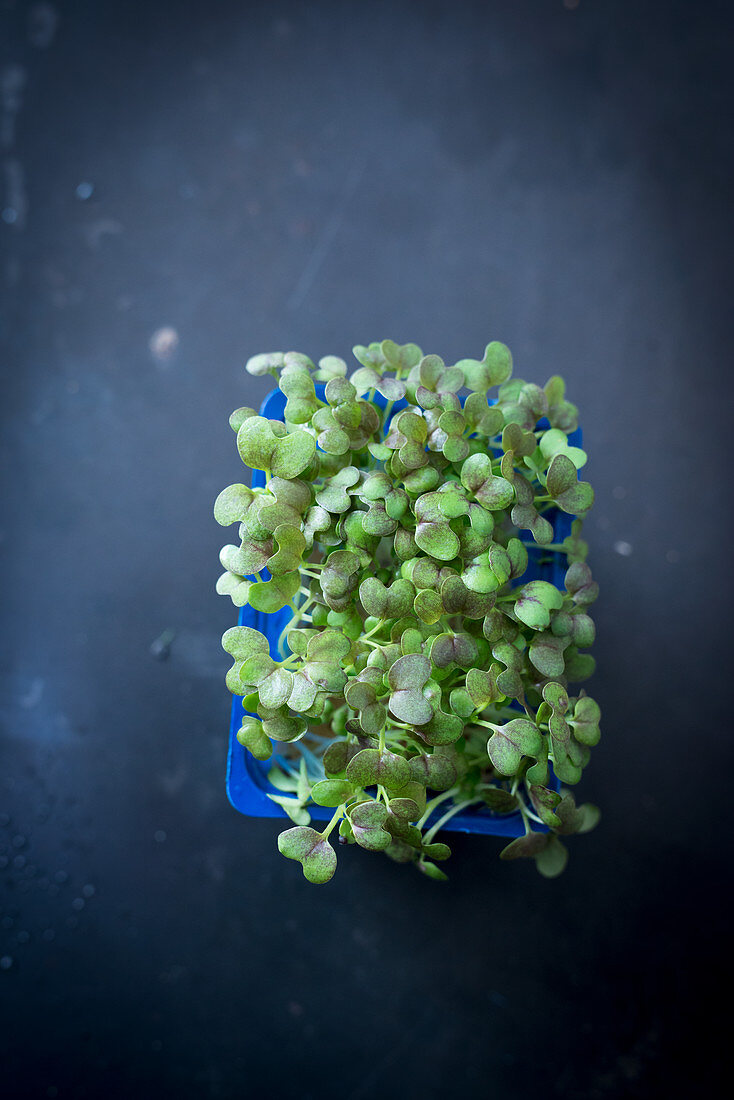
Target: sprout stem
(435, 803)
(447, 817)
(338, 814)
(374, 630)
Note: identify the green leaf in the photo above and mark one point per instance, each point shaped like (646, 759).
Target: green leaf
(333, 496)
(434, 771)
(585, 721)
(511, 742)
(270, 596)
(430, 870)
(239, 416)
(448, 649)
(590, 817)
(293, 807)
(552, 859)
(276, 688)
(407, 678)
(331, 792)
(243, 642)
(580, 585)
(400, 357)
(309, 848)
(404, 808)
(428, 606)
(266, 363)
(249, 558)
(569, 494)
(535, 602)
(499, 800)
(443, 728)
(437, 539)
(493, 492)
(331, 366)
(252, 736)
(525, 847)
(554, 442)
(337, 756)
(386, 601)
(291, 544)
(546, 653)
(368, 820)
(482, 687)
(370, 767)
(292, 454)
(494, 369)
(519, 442)
(561, 413)
(232, 503)
(437, 850)
(544, 803)
(579, 666)
(285, 727)
(234, 586)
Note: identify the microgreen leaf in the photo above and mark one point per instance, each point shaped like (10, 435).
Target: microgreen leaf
(494, 493)
(546, 653)
(367, 820)
(407, 678)
(493, 369)
(585, 721)
(580, 585)
(252, 736)
(334, 496)
(231, 505)
(370, 766)
(331, 792)
(569, 494)
(536, 601)
(511, 742)
(316, 855)
(434, 771)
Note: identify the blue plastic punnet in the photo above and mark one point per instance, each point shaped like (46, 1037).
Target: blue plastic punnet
(247, 778)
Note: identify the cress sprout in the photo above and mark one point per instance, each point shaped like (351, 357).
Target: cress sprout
(420, 673)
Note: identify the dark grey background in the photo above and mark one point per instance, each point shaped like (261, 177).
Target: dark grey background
(273, 176)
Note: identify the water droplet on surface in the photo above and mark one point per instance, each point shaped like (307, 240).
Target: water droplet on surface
(6, 962)
(23, 936)
(84, 190)
(164, 343)
(78, 904)
(623, 548)
(61, 877)
(159, 836)
(88, 891)
(19, 862)
(19, 841)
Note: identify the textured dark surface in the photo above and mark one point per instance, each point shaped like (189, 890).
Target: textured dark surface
(309, 176)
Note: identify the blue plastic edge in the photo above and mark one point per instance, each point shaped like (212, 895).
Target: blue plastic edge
(247, 779)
